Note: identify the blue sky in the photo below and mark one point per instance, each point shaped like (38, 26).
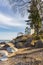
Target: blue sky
(10, 23)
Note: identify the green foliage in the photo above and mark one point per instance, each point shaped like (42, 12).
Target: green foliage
(35, 17)
(27, 31)
(37, 38)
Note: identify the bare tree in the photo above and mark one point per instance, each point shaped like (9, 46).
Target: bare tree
(19, 6)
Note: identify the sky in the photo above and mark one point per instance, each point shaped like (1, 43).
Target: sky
(10, 23)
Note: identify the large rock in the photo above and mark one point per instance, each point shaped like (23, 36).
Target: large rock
(39, 44)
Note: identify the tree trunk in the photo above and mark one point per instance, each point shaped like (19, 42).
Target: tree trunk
(37, 32)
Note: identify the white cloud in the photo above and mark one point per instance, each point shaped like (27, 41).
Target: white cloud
(10, 21)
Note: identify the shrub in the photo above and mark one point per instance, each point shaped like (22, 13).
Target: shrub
(37, 38)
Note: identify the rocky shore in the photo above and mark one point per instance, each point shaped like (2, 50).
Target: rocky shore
(23, 50)
(34, 58)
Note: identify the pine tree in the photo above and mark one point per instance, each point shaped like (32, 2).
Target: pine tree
(27, 30)
(34, 17)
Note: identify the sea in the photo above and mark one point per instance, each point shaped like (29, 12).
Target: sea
(4, 41)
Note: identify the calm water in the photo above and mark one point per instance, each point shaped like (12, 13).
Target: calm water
(4, 41)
